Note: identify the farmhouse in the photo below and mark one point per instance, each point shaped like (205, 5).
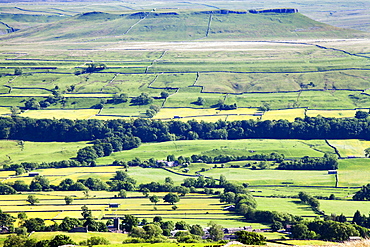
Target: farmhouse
(167, 163)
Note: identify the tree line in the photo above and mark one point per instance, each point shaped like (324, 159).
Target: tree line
(18, 128)
(328, 162)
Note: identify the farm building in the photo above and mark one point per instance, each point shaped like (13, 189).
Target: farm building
(114, 205)
(79, 229)
(167, 163)
(33, 174)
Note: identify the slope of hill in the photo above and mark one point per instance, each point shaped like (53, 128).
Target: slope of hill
(182, 26)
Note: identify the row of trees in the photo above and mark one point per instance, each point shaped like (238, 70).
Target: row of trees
(153, 130)
(120, 181)
(328, 162)
(327, 230)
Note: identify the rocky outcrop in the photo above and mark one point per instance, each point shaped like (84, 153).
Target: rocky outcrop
(222, 12)
(283, 10)
(152, 14)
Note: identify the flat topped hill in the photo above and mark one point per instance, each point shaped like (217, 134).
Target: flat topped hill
(180, 25)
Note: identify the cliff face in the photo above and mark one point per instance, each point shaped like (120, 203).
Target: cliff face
(284, 10)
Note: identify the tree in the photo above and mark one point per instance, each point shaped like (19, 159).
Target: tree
(145, 192)
(363, 194)
(200, 101)
(6, 220)
(95, 241)
(142, 99)
(68, 200)
(164, 94)
(197, 230)
(86, 212)
(301, 231)
(6, 189)
(69, 223)
(250, 238)
(154, 199)
(276, 226)
(32, 199)
(216, 232)
(34, 224)
(15, 111)
(152, 230)
(18, 71)
(60, 240)
(122, 194)
(129, 222)
(228, 197)
(21, 231)
(15, 240)
(181, 225)
(171, 198)
(361, 114)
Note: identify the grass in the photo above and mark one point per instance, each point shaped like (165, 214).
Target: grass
(290, 148)
(273, 177)
(352, 147)
(288, 114)
(348, 208)
(353, 172)
(113, 238)
(58, 114)
(194, 208)
(288, 205)
(331, 113)
(11, 151)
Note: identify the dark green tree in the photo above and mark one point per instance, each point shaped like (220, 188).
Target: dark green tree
(68, 200)
(216, 232)
(129, 222)
(154, 199)
(31, 199)
(60, 240)
(171, 198)
(250, 238)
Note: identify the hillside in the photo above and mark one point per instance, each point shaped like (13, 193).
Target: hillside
(180, 26)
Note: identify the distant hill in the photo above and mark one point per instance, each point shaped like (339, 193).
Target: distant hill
(181, 25)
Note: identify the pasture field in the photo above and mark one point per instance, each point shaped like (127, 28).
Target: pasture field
(353, 172)
(12, 152)
(113, 238)
(331, 113)
(55, 176)
(193, 208)
(351, 147)
(288, 205)
(348, 208)
(290, 148)
(288, 114)
(273, 177)
(58, 114)
(292, 191)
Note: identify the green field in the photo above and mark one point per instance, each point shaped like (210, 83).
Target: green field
(290, 148)
(12, 151)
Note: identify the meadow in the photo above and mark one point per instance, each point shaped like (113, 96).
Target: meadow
(14, 152)
(290, 148)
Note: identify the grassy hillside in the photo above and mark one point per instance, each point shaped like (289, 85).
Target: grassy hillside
(180, 26)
